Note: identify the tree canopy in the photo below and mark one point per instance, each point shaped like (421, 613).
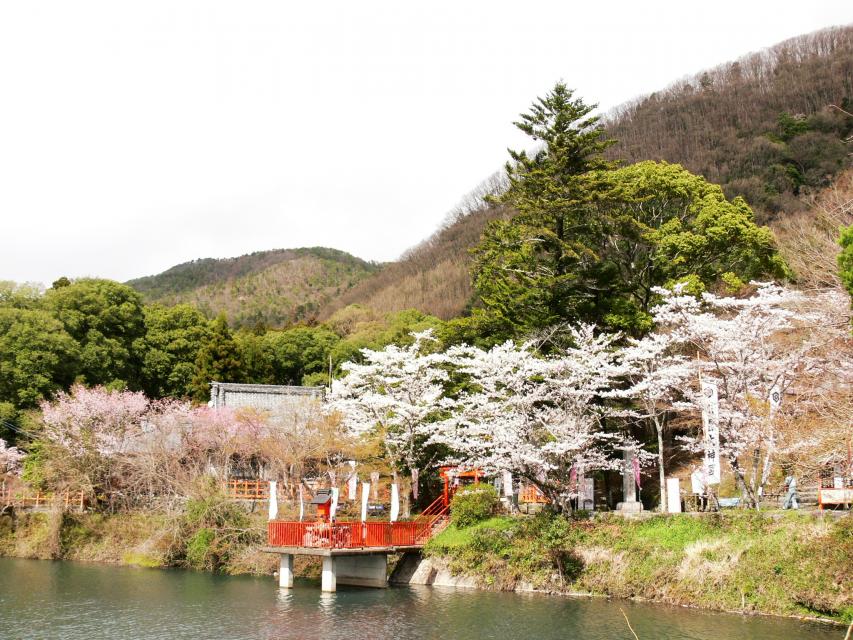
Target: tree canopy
(590, 241)
(105, 318)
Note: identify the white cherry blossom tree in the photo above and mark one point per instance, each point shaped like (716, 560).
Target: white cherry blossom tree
(656, 374)
(750, 348)
(396, 393)
(539, 418)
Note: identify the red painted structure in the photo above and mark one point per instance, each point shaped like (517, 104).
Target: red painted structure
(360, 535)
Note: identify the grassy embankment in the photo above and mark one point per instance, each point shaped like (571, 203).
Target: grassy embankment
(794, 565)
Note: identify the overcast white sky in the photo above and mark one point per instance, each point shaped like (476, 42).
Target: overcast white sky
(135, 136)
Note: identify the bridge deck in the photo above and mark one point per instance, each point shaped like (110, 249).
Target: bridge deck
(352, 551)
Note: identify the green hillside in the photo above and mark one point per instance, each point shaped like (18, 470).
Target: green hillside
(272, 288)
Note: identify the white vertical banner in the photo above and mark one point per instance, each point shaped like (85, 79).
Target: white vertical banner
(365, 496)
(697, 482)
(273, 514)
(352, 482)
(395, 502)
(711, 423)
(301, 504)
(507, 482)
(334, 507)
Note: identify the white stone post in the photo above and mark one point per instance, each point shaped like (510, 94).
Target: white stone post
(673, 495)
(329, 580)
(285, 571)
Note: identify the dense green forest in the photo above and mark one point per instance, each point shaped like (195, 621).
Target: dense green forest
(100, 332)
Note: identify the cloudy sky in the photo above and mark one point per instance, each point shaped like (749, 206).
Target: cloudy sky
(134, 136)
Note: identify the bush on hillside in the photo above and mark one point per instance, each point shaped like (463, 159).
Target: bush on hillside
(473, 504)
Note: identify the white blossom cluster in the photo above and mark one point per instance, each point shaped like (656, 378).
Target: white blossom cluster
(547, 418)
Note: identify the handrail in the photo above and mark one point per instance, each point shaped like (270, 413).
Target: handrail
(349, 535)
(436, 506)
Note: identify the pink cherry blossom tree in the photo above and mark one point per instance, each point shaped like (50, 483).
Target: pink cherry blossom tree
(88, 432)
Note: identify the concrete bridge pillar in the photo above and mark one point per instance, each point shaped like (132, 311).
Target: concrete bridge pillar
(285, 571)
(329, 579)
(362, 570)
(357, 570)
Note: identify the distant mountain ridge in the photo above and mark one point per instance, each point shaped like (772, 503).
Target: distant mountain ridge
(270, 288)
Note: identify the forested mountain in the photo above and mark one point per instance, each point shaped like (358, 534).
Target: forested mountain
(272, 288)
(769, 127)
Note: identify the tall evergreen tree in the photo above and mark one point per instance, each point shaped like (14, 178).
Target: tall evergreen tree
(591, 241)
(218, 359)
(526, 268)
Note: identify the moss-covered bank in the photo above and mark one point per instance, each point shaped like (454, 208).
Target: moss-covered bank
(791, 564)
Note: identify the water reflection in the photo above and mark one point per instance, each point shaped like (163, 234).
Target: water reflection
(53, 600)
(285, 600)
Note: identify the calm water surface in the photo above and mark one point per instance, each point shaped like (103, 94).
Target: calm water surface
(45, 600)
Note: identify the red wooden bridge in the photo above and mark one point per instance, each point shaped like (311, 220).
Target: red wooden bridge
(353, 553)
(360, 535)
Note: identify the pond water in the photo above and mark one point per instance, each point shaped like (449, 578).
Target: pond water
(45, 600)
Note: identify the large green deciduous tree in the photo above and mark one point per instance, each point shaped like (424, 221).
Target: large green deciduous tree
(301, 354)
(173, 339)
(106, 319)
(660, 224)
(37, 356)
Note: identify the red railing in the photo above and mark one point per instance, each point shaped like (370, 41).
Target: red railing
(24, 498)
(349, 535)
